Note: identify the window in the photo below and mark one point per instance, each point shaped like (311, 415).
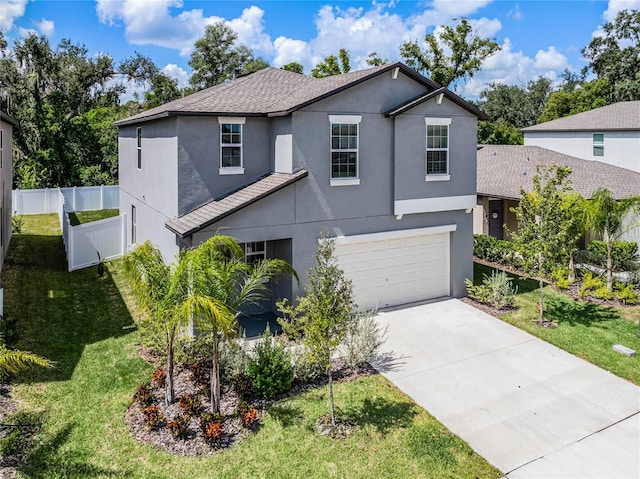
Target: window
(437, 156)
(598, 144)
(139, 138)
(344, 149)
(133, 224)
(255, 251)
(231, 146)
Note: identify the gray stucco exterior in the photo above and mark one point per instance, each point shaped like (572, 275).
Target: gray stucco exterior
(181, 160)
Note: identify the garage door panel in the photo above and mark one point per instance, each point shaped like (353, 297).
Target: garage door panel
(395, 271)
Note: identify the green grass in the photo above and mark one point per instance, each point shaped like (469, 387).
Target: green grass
(584, 329)
(80, 217)
(82, 322)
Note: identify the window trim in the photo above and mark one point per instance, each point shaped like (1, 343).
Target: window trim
(345, 120)
(134, 224)
(139, 145)
(261, 254)
(597, 145)
(232, 120)
(430, 121)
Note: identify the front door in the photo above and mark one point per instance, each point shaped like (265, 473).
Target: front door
(496, 220)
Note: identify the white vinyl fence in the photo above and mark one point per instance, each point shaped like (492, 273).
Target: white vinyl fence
(82, 243)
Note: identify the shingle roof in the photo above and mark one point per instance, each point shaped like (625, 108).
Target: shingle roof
(503, 170)
(413, 102)
(618, 116)
(218, 209)
(272, 92)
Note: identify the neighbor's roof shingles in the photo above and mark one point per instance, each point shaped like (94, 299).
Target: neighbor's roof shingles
(618, 116)
(503, 170)
(218, 209)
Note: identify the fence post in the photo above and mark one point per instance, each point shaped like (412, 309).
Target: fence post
(70, 251)
(124, 233)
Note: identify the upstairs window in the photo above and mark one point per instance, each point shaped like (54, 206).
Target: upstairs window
(598, 144)
(231, 145)
(139, 139)
(344, 149)
(437, 154)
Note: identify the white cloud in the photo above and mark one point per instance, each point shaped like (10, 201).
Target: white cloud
(515, 68)
(11, 10)
(616, 5)
(485, 27)
(288, 50)
(45, 27)
(250, 30)
(516, 13)
(151, 23)
(174, 71)
(25, 32)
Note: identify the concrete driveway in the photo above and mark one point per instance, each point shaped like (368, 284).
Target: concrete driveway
(529, 408)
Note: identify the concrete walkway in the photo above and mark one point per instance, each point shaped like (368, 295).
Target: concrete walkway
(529, 408)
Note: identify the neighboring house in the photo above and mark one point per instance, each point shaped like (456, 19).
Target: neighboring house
(610, 134)
(6, 180)
(504, 170)
(383, 158)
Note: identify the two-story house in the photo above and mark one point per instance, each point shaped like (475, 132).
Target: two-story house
(610, 134)
(383, 158)
(6, 182)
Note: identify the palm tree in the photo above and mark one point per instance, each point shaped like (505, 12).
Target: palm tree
(13, 361)
(157, 292)
(222, 282)
(611, 218)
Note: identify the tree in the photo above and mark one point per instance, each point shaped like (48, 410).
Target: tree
(215, 57)
(520, 106)
(498, 133)
(332, 65)
(544, 232)
(254, 65)
(468, 51)
(615, 55)
(374, 60)
(158, 290)
(294, 67)
(14, 361)
(220, 283)
(324, 315)
(163, 90)
(583, 97)
(611, 218)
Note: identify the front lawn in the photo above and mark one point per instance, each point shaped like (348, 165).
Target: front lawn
(585, 329)
(82, 322)
(81, 217)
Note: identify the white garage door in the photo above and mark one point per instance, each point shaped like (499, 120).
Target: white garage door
(397, 267)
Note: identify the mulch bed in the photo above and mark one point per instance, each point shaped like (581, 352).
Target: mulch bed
(8, 464)
(234, 431)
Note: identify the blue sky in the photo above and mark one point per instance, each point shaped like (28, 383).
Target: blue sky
(540, 37)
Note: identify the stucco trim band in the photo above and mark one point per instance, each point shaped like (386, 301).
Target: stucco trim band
(434, 205)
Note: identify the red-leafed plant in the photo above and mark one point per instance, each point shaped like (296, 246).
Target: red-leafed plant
(179, 427)
(153, 417)
(190, 404)
(159, 377)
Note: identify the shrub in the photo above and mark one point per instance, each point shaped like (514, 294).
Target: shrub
(242, 384)
(234, 357)
(143, 395)
(626, 294)
(159, 377)
(500, 251)
(153, 417)
(211, 429)
(190, 404)
(16, 224)
(179, 427)
(624, 255)
(194, 349)
(364, 339)
(270, 367)
(602, 293)
(200, 374)
(248, 414)
(496, 290)
(305, 369)
(560, 278)
(591, 283)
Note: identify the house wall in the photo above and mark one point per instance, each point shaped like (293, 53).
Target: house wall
(386, 173)
(6, 184)
(199, 179)
(621, 148)
(153, 189)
